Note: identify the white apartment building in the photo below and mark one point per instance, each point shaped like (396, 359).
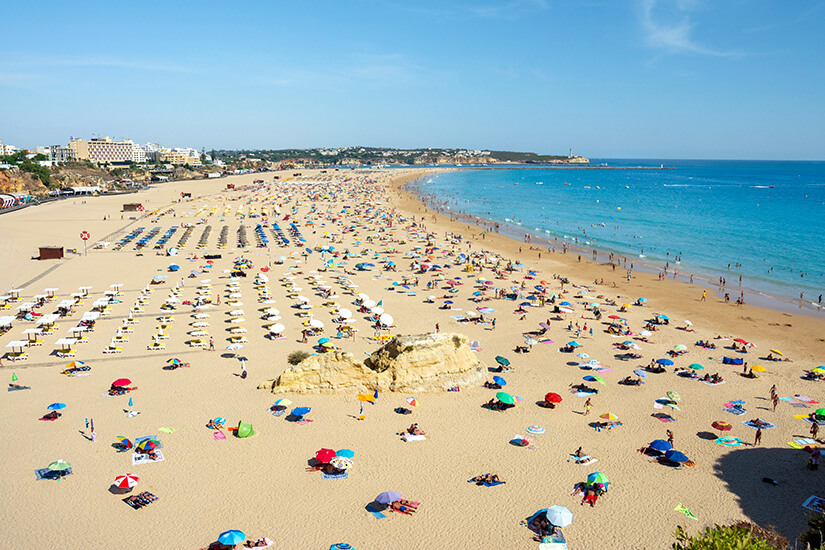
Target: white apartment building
(7, 149)
(59, 153)
(101, 150)
(138, 153)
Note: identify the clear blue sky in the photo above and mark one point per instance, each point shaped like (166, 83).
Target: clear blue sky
(741, 79)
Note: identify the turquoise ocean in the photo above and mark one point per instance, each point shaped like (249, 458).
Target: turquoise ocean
(764, 219)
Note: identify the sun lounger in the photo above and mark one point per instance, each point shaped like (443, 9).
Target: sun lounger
(17, 356)
(113, 349)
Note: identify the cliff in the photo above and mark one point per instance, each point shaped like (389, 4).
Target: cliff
(15, 181)
(421, 363)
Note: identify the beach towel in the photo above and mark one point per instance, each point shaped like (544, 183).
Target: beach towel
(640, 373)
(342, 475)
(766, 426)
(805, 399)
(728, 441)
(807, 418)
(815, 503)
(375, 512)
(734, 410)
(665, 418)
(18, 388)
(280, 412)
(709, 383)
(45, 473)
(139, 458)
(217, 436)
(584, 460)
(166, 430)
(304, 422)
(733, 361)
(411, 437)
(584, 394)
(802, 443)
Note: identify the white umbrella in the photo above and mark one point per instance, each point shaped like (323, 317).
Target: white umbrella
(345, 314)
(377, 310)
(237, 330)
(200, 324)
(236, 295)
(273, 317)
(234, 347)
(369, 303)
(198, 333)
(348, 321)
(363, 296)
(645, 333)
(271, 311)
(236, 312)
(386, 319)
(315, 323)
(206, 281)
(277, 328)
(172, 300)
(302, 298)
(688, 323)
(201, 316)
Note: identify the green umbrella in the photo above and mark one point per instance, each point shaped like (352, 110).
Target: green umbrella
(673, 405)
(673, 396)
(502, 361)
(820, 412)
(59, 465)
(505, 397)
(696, 366)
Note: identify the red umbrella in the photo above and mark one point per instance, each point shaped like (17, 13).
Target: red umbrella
(613, 317)
(722, 426)
(552, 397)
(121, 382)
(324, 455)
(740, 340)
(126, 481)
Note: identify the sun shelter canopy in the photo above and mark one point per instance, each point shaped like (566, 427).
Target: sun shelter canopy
(65, 341)
(48, 319)
(90, 316)
(7, 320)
(245, 430)
(17, 344)
(33, 331)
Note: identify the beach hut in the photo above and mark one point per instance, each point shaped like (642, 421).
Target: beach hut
(50, 253)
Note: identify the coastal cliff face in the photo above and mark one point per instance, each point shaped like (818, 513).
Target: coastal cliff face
(421, 363)
(15, 181)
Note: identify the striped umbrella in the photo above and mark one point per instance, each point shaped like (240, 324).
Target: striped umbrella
(126, 481)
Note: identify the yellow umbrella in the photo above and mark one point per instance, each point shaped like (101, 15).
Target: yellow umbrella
(819, 370)
(759, 368)
(608, 416)
(776, 351)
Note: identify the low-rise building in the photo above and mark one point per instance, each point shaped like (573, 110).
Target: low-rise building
(7, 149)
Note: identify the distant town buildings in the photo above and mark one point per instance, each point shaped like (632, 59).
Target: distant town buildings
(101, 150)
(7, 149)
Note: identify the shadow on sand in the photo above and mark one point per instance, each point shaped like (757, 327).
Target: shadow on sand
(780, 505)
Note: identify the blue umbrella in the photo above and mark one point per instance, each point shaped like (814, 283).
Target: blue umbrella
(324, 340)
(231, 538)
(675, 456)
(575, 344)
(642, 300)
(309, 250)
(524, 304)
(174, 267)
(499, 380)
(663, 317)
(667, 362)
(660, 445)
(564, 303)
(56, 406)
(477, 293)
(300, 411)
(387, 497)
(346, 453)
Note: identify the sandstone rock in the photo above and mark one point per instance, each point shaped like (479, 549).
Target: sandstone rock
(421, 363)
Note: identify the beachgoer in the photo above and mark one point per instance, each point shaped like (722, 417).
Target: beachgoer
(758, 438)
(587, 405)
(211, 344)
(669, 437)
(814, 429)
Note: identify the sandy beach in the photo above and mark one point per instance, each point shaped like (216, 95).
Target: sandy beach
(205, 485)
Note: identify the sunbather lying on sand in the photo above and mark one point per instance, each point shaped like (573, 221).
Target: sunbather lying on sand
(257, 544)
(214, 425)
(404, 506)
(487, 478)
(415, 430)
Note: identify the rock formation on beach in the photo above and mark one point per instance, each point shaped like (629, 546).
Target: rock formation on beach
(419, 363)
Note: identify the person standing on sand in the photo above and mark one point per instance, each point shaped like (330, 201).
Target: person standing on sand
(758, 438)
(669, 437)
(587, 405)
(211, 344)
(814, 429)
(775, 401)
(704, 296)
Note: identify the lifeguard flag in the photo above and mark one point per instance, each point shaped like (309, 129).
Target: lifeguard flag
(366, 397)
(380, 303)
(14, 377)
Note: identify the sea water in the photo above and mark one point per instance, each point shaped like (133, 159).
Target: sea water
(761, 220)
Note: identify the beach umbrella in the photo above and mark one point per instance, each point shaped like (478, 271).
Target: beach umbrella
(642, 300)
(59, 466)
(819, 370)
(56, 406)
(388, 497)
(277, 328)
(75, 364)
(597, 477)
(316, 323)
(740, 340)
(673, 396)
(666, 362)
(505, 397)
(345, 314)
(126, 481)
(234, 347)
(660, 445)
(413, 402)
(386, 319)
(776, 351)
(608, 416)
(124, 441)
(502, 361)
(283, 403)
(645, 333)
(675, 456)
(341, 463)
(346, 453)
(300, 411)
(121, 382)
(148, 444)
(574, 344)
(322, 341)
(559, 516)
(680, 347)
(324, 455)
(758, 368)
(537, 430)
(819, 412)
(552, 397)
(613, 317)
(582, 355)
(499, 380)
(174, 361)
(231, 538)
(696, 366)
(722, 426)
(594, 378)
